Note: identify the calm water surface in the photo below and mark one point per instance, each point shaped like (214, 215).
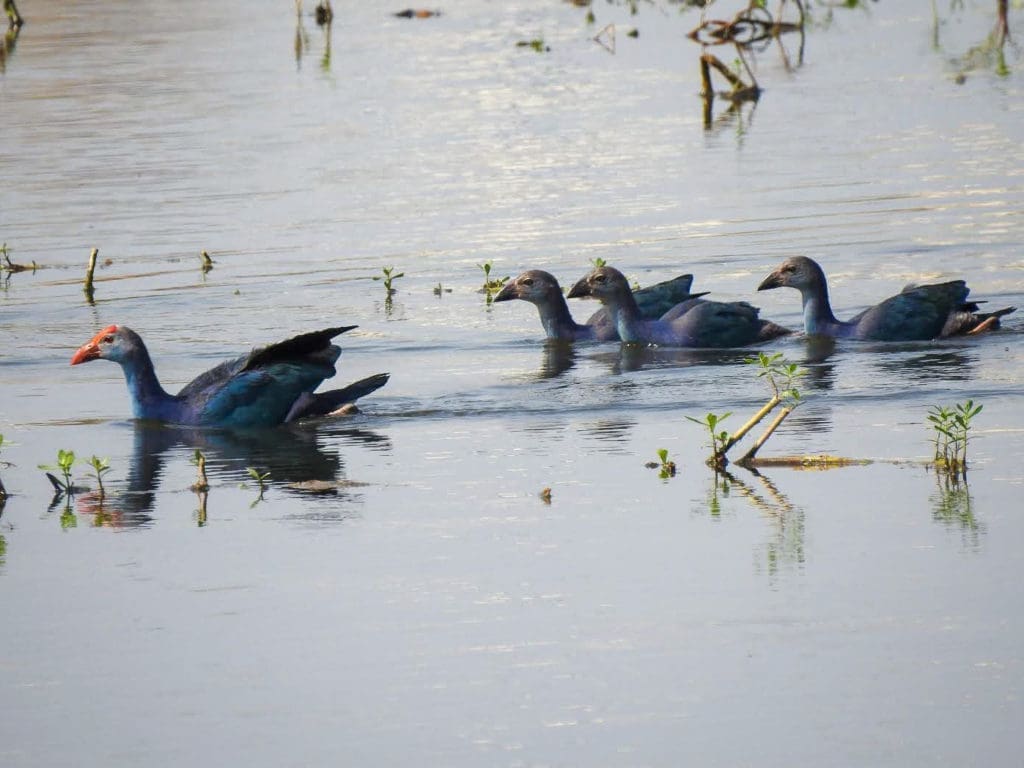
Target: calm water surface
(433, 609)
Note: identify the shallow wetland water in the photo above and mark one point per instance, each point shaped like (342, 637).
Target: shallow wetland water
(433, 609)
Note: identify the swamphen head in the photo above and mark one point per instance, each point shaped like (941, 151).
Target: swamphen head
(797, 272)
(115, 342)
(604, 283)
(535, 286)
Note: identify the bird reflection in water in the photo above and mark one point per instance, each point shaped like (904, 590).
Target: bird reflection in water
(914, 364)
(558, 356)
(294, 455)
(636, 357)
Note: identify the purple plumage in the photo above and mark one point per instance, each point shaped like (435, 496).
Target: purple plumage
(271, 385)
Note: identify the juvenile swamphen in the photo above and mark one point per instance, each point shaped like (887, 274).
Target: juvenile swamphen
(694, 323)
(541, 289)
(918, 313)
(271, 385)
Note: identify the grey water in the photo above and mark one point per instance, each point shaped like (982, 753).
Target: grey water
(430, 607)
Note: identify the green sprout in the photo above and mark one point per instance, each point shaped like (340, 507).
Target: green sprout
(598, 262)
(719, 439)
(951, 428)
(491, 285)
(668, 468)
(261, 482)
(389, 278)
(99, 468)
(65, 460)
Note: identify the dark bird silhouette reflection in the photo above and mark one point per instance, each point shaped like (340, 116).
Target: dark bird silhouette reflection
(295, 456)
(558, 356)
(914, 364)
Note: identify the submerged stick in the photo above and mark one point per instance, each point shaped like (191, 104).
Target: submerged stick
(201, 485)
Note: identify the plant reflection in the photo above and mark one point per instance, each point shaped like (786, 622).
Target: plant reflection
(953, 507)
(324, 15)
(752, 30)
(292, 454)
(989, 53)
(786, 543)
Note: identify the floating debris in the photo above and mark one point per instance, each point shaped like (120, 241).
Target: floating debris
(324, 486)
(536, 43)
(813, 461)
(416, 13)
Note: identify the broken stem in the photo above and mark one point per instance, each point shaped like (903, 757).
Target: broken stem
(751, 423)
(89, 272)
(749, 455)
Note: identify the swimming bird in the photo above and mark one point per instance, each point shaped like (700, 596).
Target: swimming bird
(693, 323)
(918, 313)
(541, 289)
(271, 385)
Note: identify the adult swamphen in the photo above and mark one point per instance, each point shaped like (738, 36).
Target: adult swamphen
(694, 323)
(271, 385)
(918, 313)
(541, 289)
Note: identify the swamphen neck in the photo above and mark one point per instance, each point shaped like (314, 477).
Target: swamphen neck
(807, 276)
(541, 289)
(611, 287)
(125, 347)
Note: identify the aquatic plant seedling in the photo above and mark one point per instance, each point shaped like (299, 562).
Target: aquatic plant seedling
(260, 478)
(206, 263)
(545, 495)
(99, 468)
(668, 467)
(951, 428)
(261, 482)
(65, 460)
(780, 376)
(440, 289)
(389, 278)
(719, 439)
(491, 285)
